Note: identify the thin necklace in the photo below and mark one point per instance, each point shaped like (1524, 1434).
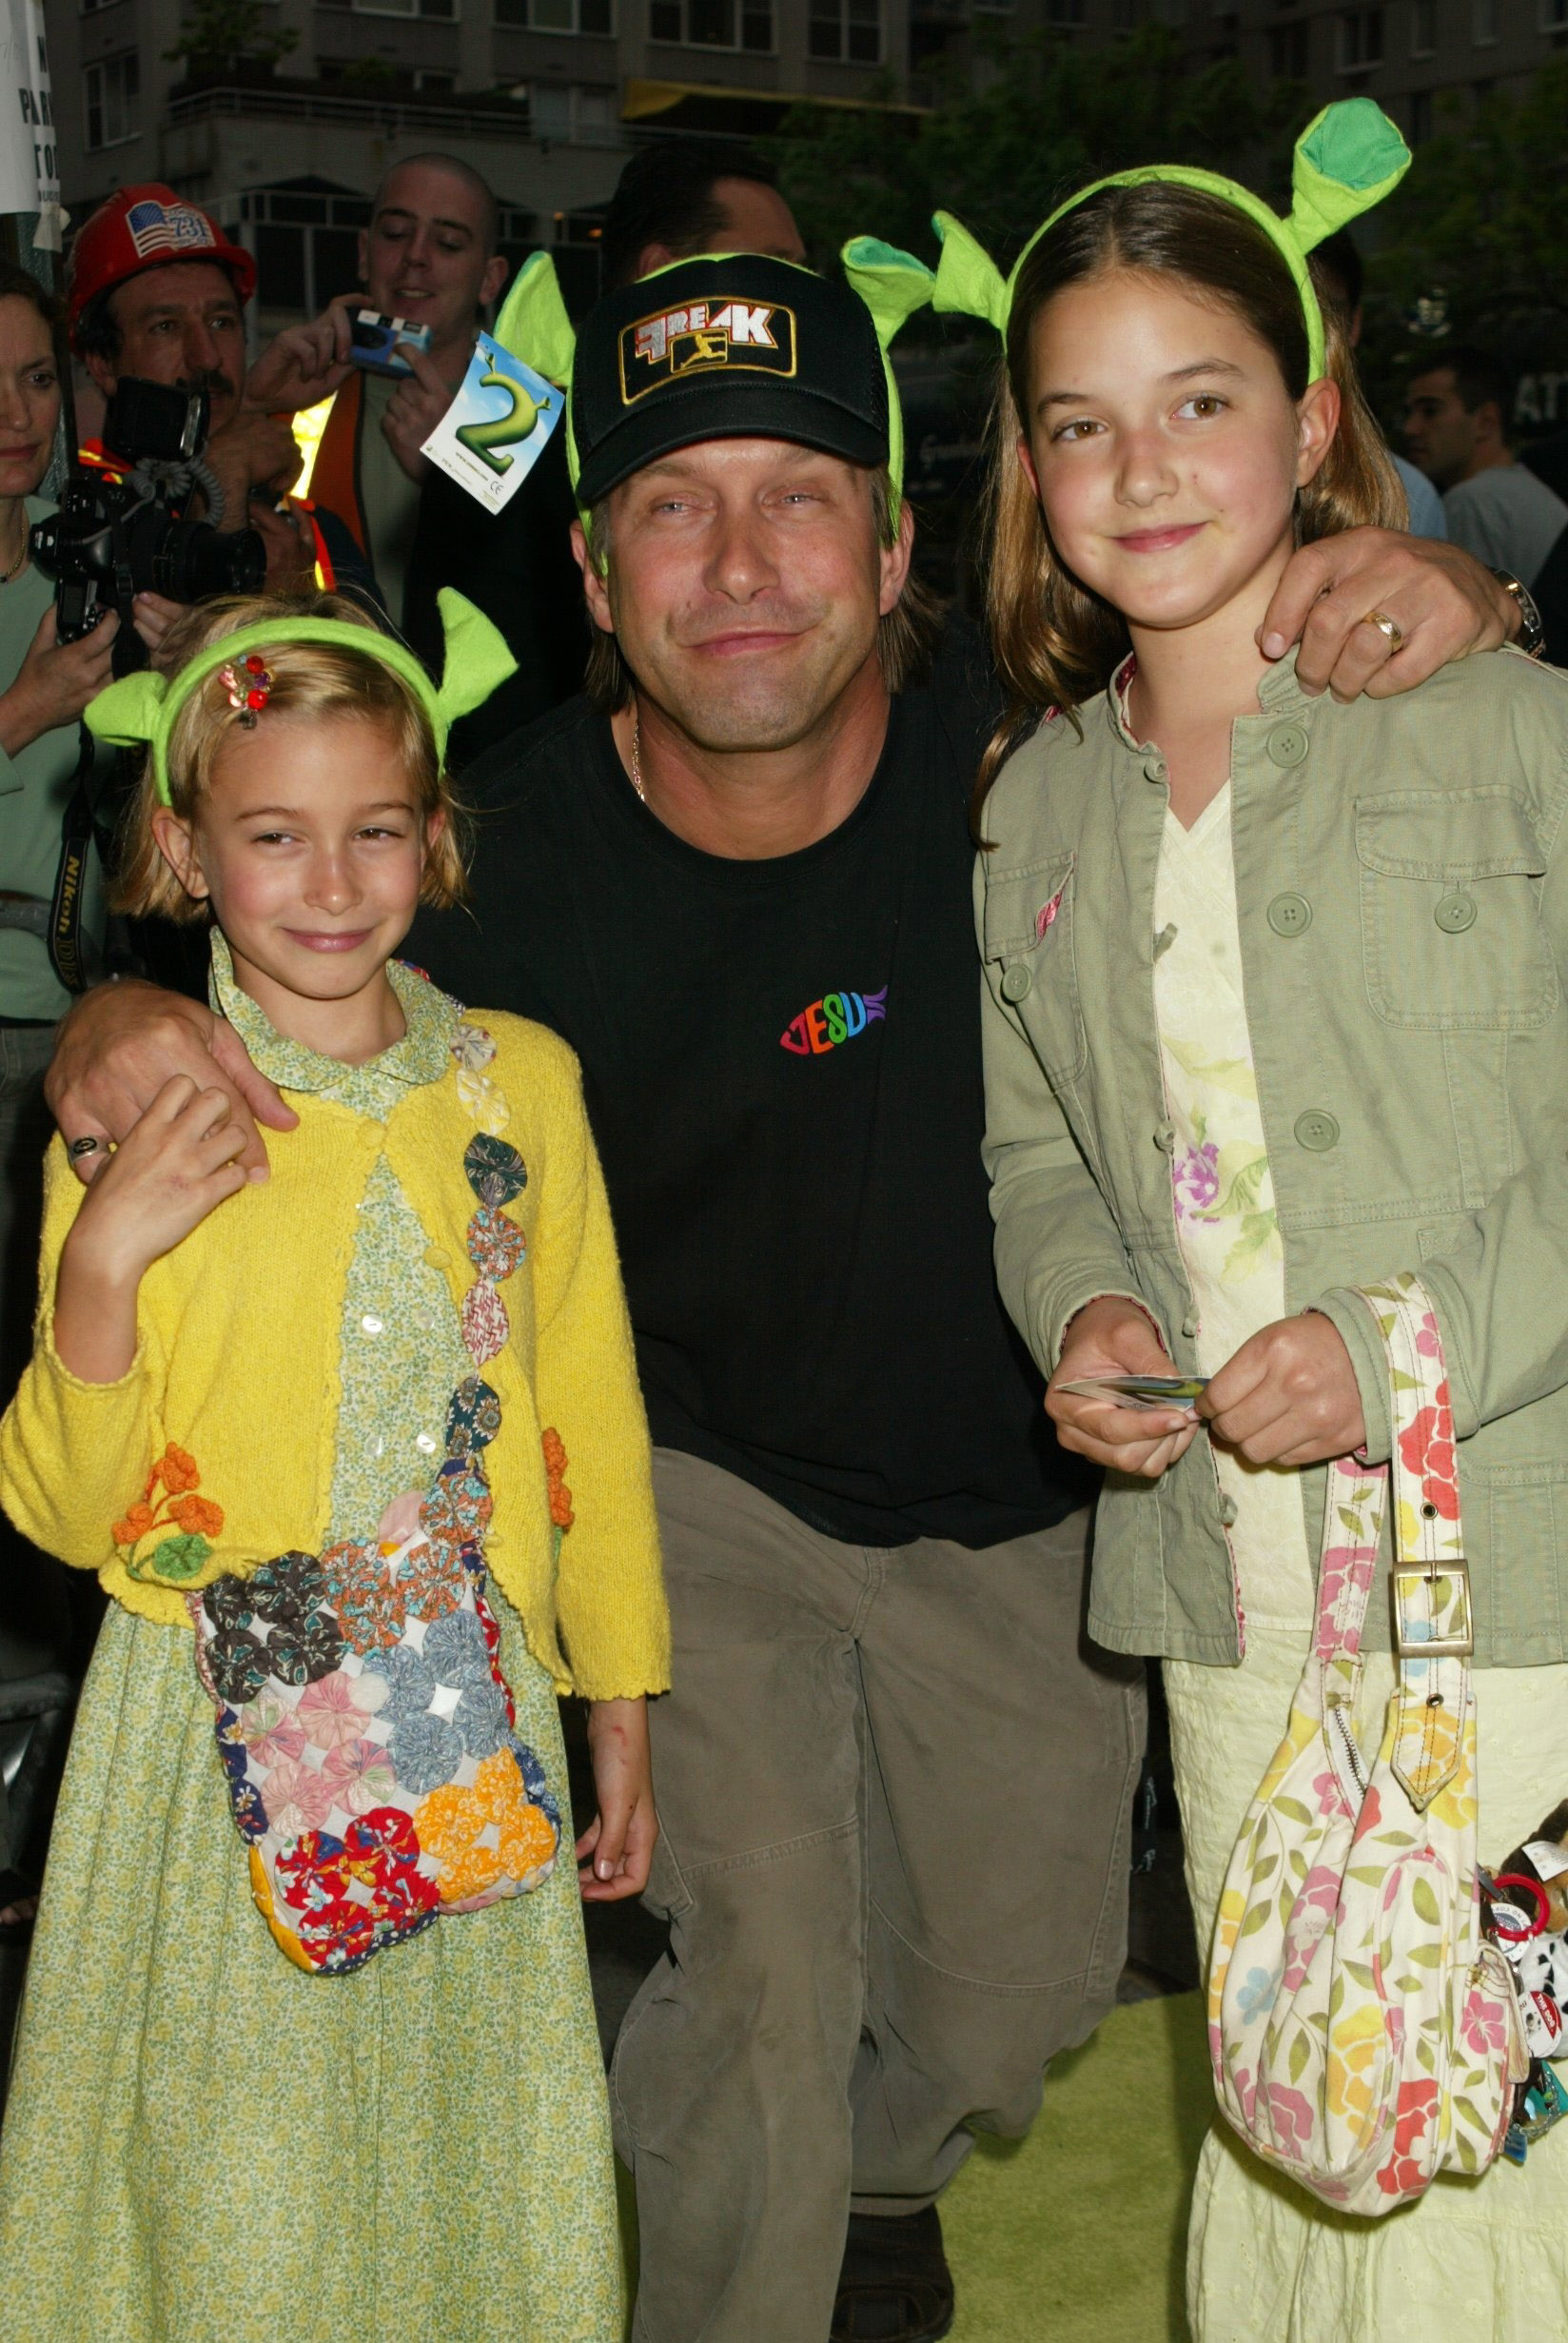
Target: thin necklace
(637, 753)
(6, 576)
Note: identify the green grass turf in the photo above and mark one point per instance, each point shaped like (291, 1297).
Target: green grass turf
(1076, 2234)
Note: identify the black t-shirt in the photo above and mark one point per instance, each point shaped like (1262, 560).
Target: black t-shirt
(782, 1068)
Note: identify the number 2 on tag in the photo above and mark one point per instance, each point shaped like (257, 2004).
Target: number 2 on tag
(500, 431)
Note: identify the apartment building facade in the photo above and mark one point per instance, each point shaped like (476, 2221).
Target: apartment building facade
(545, 96)
(542, 96)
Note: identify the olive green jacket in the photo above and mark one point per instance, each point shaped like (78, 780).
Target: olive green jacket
(1402, 895)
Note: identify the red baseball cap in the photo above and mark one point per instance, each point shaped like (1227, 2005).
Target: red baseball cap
(146, 227)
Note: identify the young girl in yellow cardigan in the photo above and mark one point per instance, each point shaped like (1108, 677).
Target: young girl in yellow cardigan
(358, 1450)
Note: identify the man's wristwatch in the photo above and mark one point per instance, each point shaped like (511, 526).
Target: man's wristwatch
(1532, 633)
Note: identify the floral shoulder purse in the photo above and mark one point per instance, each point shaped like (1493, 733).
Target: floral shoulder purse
(1364, 2031)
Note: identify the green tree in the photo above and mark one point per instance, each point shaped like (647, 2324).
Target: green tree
(1480, 217)
(1050, 116)
(218, 36)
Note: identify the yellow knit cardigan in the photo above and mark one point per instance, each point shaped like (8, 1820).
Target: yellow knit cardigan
(237, 1366)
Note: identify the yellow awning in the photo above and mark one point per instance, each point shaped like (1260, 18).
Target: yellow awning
(645, 100)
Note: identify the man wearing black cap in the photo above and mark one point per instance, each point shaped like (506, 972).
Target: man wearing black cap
(894, 1785)
(876, 1557)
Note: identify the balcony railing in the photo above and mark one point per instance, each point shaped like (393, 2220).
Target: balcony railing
(390, 117)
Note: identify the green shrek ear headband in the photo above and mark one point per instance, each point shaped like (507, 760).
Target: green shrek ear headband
(1348, 159)
(892, 285)
(144, 707)
(534, 326)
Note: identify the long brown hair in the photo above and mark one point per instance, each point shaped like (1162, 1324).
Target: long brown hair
(1056, 643)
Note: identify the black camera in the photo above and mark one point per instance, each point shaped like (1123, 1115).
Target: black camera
(116, 537)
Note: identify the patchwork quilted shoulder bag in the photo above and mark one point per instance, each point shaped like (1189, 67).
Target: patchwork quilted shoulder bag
(1363, 2034)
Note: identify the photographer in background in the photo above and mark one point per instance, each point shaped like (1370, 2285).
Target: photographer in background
(156, 291)
(429, 257)
(44, 686)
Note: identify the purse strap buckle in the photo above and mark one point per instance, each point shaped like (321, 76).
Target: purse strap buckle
(1432, 1612)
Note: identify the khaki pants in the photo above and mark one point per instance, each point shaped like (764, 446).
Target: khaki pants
(895, 1792)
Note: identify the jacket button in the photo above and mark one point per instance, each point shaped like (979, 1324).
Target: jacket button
(1189, 1326)
(1164, 939)
(1016, 981)
(1287, 744)
(1291, 914)
(437, 1257)
(1316, 1130)
(1155, 769)
(1227, 1511)
(1164, 1138)
(1455, 914)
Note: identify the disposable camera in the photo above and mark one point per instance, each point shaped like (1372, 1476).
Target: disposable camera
(373, 342)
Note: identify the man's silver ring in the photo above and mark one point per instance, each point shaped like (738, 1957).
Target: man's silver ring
(1385, 625)
(86, 1146)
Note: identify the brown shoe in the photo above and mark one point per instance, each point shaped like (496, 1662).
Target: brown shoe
(895, 2286)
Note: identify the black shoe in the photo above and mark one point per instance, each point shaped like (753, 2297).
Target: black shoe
(895, 2286)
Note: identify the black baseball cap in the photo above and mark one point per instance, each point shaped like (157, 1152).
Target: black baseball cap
(730, 346)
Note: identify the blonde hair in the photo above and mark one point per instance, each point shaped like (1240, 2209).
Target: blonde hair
(319, 679)
(1056, 643)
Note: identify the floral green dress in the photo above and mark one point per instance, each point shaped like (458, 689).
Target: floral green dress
(1266, 2263)
(207, 2144)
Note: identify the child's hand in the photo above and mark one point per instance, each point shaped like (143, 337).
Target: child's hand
(1111, 1336)
(621, 1837)
(1289, 1396)
(171, 1170)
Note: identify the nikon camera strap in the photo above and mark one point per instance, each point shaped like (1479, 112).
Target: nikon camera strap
(66, 945)
(59, 922)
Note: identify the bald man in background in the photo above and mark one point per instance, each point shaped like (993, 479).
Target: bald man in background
(430, 255)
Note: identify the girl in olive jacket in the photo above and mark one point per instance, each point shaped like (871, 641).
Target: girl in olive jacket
(1272, 1008)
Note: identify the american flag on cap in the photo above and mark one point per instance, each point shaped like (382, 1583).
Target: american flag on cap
(168, 228)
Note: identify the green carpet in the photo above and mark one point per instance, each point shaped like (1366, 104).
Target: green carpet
(1076, 2234)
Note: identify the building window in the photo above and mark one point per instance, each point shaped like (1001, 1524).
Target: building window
(447, 8)
(113, 94)
(1290, 51)
(851, 29)
(1361, 39)
(306, 242)
(1424, 28)
(713, 24)
(1483, 21)
(550, 110)
(568, 115)
(1420, 116)
(557, 16)
(1554, 15)
(1065, 11)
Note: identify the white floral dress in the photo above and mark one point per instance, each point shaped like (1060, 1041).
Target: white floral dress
(1266, 2264)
